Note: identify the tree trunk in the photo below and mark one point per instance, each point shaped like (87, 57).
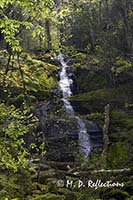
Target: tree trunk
(107, 9)
(22, 76)
(92, 33)
(7, 69)
(106, 130)
(100, 13)
(128, 35)
(49, 40)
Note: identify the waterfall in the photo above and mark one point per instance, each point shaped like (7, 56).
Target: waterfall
(65, 85)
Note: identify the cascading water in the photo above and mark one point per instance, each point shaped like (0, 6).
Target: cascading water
(65, 85)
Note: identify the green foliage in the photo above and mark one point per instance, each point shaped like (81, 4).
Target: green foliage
(116, 194)
(79, 56)
(118, 155)
(120, 126)
(81, 26)
(15, 176)
(121, 66)
(12, 24)
(106, 35)
(68, 50)
(122, 119)
(97, 117)
(49, 196)
(86, 197)
(9, 29)
(15, 185)
(14, 124)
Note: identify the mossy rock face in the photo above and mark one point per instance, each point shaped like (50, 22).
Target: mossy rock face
(36, 77)
(40, 77)
(37, 63)
(96, 100)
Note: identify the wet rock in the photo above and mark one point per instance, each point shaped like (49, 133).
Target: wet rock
(95, 134)
(62, 138)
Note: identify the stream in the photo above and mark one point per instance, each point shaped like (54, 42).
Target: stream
(65, 84)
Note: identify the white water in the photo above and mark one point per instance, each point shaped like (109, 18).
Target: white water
(65, 85)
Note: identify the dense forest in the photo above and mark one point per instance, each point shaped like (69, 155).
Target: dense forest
(66, 99)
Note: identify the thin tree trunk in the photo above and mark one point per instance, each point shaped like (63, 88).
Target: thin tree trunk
(7, 69)
(22, 76)
(107, 9)
(92, 33)
(49, 40)
(128, 35)
(100, 13)
(106, 130)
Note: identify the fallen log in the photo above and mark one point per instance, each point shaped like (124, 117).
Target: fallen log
(127, 171)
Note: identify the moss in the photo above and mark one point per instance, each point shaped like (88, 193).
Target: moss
(102, 94)
(34, 64)
(96, 100)
(39, 78)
